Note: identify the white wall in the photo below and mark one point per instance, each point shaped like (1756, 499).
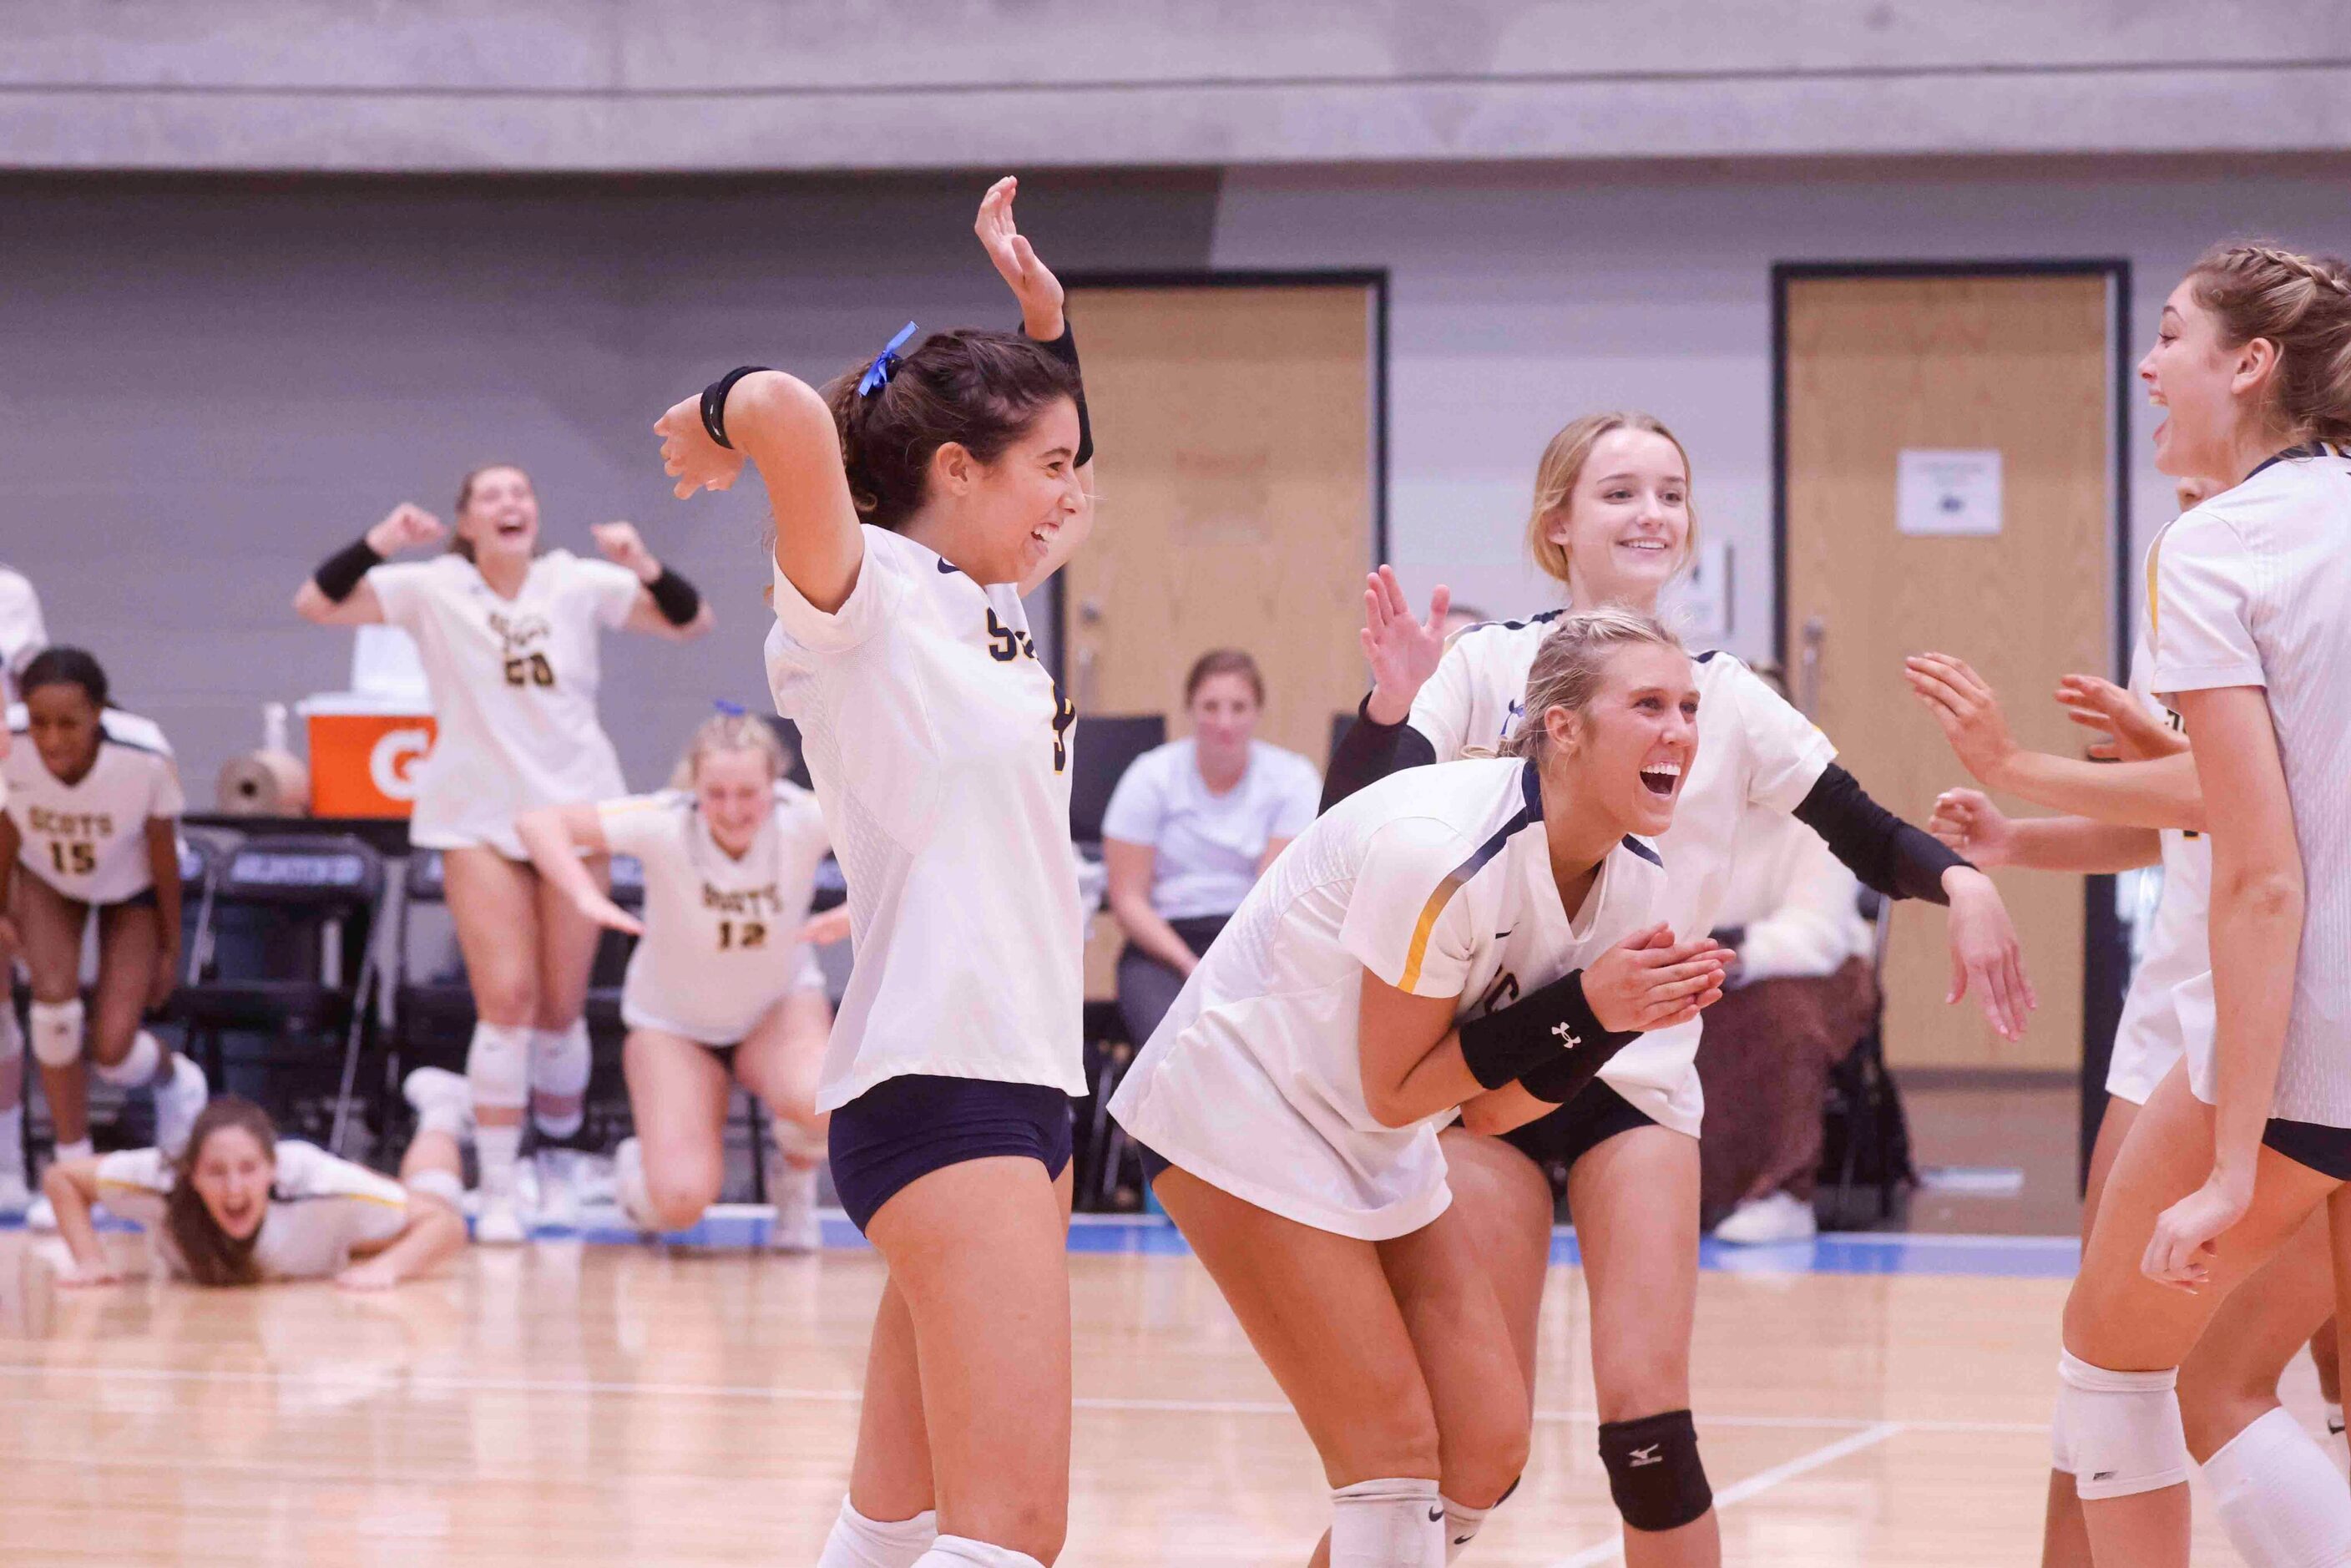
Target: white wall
(1522, 298)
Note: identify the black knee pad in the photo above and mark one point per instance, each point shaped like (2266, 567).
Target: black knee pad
(1653, 1471)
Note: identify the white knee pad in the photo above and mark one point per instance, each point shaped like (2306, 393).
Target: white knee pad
(1394, 1522)
(857, 1542)
(2123, 1427)
(2280, 1499)
(57, 1032)
(138, 1066)
(498, 1065)
(801, 1146)
(958, 1552)
(560, 1062)
(439, 1184)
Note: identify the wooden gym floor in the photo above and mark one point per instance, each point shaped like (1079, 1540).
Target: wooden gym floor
(588, 1404)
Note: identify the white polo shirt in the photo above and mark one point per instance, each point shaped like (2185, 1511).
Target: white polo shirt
(89, 840)
(940, 749)
(1437, 879)
(1754, 750)
(1207, 846)
(513, 690)
(718, 949)
(2252, 587)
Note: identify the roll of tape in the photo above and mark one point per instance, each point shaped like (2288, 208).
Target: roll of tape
(265, 784)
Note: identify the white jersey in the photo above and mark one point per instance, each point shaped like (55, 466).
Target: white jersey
(2152, 1034)
(940, 749)
(1754, 749)
(1437, 879)
(88, 841)
(322, 1209)
(514, 691)
(21, 633)
(717, 951)
(2253, 589)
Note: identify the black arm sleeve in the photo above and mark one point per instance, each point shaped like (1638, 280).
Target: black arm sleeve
(678, 601)
(1065, 349)
(1887, 853)
(1369, 752)
(338, 575)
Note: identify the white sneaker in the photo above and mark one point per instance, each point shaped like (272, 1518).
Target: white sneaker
(41, 1214)
(792, 1189)
(15, 1198)
(177, 1103)
(437, 1094)
(558, 1198)
(1782, 1216)
(495, 1223)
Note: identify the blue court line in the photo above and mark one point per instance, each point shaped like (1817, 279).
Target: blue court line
(744, 1226)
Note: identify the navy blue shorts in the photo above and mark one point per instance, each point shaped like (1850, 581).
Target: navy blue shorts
(902, 1129)
(1557, 1141)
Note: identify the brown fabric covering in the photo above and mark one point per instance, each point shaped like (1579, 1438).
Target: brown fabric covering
(1764, 1062)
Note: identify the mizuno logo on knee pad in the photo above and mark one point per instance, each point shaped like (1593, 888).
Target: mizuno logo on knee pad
(1648, 1456)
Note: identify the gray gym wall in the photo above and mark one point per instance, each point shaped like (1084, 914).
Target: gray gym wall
(224, 348)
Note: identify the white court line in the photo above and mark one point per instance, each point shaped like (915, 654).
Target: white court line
(427, 1384)
(1761, 1481)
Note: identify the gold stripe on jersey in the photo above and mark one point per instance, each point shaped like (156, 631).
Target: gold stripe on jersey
(1451, 884)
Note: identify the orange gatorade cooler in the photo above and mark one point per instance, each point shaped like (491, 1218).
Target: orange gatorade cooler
(364, 755)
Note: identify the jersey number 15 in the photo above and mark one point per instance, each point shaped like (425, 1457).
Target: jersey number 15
(73, 858)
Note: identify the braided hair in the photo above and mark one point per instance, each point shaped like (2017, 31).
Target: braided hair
(2302, 304)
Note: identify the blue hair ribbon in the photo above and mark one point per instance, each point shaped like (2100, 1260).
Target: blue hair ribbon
(731, 710)
(885, 363)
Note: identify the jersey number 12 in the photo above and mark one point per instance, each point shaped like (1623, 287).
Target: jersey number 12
(743, 933)
(532, 670)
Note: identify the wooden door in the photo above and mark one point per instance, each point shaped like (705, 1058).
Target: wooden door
(1235, 427)
(2022, 365)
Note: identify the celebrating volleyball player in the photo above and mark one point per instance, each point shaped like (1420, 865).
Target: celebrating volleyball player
(915, 501)
(1611, 521)
(1440, 936)
(2230, 1410)
(719, 990)
(2238, 1147)
(90, 832)
(508, 636)
(239, 1206)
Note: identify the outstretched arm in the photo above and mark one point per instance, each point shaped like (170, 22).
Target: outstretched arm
(339, 593)
(779, 424)
(1970, 824)
(1042, 319)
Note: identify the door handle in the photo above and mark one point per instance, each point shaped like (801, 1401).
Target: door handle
(1808, 667)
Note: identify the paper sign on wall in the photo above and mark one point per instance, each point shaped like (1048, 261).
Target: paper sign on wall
(1948, 491)
(1702, 597)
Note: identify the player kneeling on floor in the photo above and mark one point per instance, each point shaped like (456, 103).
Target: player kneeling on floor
(721, 989)
(1437, 940)
(240, 1206)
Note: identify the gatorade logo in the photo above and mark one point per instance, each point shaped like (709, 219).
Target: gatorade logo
(392, 765)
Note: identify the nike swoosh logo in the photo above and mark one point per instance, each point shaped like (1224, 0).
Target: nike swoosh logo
(1436, 1515)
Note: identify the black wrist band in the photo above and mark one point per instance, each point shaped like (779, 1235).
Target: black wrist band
(678, 601)
(1364, 715)
(340, 573)
(713, 402)
(1533, 1034)
(1065, 349)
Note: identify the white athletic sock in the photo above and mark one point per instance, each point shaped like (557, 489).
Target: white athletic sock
(1462, 1524)
(79, 1149)
(559, 1064)
(2281, 1501)
(1394, 1522)
(2337, 1447)
(857, 1542)
(956, 1552)
(497, 1068)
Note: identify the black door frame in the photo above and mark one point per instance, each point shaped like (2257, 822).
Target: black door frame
(2105, 954)
(1374, 278)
